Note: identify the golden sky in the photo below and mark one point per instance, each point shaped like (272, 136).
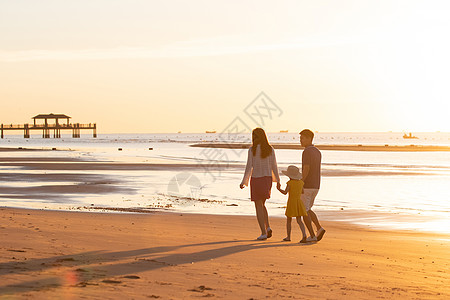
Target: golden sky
(191, 66)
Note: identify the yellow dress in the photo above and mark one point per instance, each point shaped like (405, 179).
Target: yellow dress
(295, 207)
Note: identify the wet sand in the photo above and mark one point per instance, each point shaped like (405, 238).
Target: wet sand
(73, 255)
(66, 177)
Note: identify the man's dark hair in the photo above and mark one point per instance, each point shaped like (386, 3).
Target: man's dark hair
(307, 133)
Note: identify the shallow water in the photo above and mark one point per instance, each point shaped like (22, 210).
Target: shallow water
(403, 190)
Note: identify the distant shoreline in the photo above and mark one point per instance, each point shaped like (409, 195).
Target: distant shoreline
(377, 148)
(374, 148)
(9, 149)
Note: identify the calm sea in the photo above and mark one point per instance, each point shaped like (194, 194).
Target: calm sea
(400, 190)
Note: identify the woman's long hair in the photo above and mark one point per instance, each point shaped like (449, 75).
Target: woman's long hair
(259, 138)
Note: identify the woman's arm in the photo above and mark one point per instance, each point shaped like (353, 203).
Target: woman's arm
(248, 169)
(275, 174)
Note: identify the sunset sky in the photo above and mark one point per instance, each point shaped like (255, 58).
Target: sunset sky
(191, 66)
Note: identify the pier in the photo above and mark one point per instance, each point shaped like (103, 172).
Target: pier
(48, 128)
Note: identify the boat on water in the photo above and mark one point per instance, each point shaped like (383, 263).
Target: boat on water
(213, 131)
(409, 136)
(283, 131)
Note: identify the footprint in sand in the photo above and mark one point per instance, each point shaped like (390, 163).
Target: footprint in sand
(163, 283)
(200, 289)
(132, 277)
(81, 270)
(65, 259)
(111, 281)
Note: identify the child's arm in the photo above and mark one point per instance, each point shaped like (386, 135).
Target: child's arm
(284, 192)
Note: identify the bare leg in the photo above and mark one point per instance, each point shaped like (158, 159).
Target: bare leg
(266, 215)
(259, 206)
(314, 219)
(307, 221)
(302, 227)
(288, 228)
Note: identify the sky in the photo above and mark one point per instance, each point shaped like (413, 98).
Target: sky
(190, 66)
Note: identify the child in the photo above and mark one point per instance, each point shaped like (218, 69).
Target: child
(295, 207)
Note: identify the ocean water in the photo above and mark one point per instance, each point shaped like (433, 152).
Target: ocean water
(400, 190)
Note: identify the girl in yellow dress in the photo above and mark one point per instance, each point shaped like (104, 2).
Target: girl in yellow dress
(294, 207)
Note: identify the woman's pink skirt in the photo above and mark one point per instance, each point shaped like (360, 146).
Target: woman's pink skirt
(260, 188)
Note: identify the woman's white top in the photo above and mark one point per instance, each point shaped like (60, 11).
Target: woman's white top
(260, 167)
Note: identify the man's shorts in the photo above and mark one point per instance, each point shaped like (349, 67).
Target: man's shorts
(308, 197)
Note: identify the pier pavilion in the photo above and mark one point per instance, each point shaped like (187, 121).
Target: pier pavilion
(47, 127)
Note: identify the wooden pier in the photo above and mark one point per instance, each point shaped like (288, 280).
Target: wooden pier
(48, 128)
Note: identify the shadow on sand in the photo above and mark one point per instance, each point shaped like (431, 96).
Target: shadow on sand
(88, 266)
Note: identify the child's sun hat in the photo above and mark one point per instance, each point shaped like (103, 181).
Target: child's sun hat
(292, 172)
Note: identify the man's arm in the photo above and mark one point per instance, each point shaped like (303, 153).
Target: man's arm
(305, 172)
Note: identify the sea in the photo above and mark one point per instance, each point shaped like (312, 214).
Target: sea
(378, 190)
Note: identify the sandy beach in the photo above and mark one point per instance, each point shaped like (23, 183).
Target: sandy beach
(75, 255)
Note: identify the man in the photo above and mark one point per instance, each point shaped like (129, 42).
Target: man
(311, 160)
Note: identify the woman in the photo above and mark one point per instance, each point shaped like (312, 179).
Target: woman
(262, 167)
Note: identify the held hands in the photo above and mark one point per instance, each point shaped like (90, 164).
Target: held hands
(284, 192)
(241, 185)
(279, 187)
